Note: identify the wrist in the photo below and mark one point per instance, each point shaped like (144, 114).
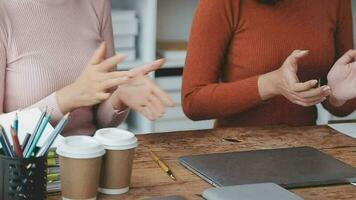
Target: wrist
(67, 102)
(116, 101)
(336, 102)
(267, 85)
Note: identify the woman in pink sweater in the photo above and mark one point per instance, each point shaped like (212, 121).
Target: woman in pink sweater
(49, 57)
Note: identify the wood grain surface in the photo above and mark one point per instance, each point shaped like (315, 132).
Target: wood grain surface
(149, 181)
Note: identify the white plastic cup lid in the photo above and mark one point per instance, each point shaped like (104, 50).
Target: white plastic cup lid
(80, 147)
(116, 139)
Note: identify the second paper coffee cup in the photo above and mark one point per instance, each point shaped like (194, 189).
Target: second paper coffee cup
(117, 164)
(80, 160)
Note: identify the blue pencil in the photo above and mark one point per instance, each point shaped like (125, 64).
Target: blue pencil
(32, 137)
(16, 123)
(57, 130)
(38, 136)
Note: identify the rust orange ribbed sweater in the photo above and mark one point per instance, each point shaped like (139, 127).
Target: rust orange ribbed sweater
(234, 41)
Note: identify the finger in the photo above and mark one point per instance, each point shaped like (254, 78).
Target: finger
(348, 57)
(118, 74)
(163, 97)
(145, 111)
(103, 96)
(299, 87)
(155, 114)
(111, 83)
(315, 92)
(145, 69)
(98, 55)
(157, 105)
(111, 63)
(307, 104)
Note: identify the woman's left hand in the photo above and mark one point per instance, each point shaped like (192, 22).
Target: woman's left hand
(142, 94)
(342, 79)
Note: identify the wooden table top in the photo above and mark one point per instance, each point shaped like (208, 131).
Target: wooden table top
(149, 181)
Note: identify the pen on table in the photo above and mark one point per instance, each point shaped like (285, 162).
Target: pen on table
(57, 130)
(162, 165)
(6, 142)
(32, 137)
(38, 135)
(16, 143)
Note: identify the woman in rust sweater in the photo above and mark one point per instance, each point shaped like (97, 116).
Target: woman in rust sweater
(258, 62)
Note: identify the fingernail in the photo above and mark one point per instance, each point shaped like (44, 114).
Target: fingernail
(326, 88)
(160, 60)
(314, 82)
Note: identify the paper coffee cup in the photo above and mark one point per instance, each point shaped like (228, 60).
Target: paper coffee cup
(80, 160)
(117, 164)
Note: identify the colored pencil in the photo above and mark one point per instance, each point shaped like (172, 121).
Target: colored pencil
(38, 135)
(3, 145)
(57, 130)
(16, 143)
(25, 141)
(16, 123)
(38, 125)
(7, 142)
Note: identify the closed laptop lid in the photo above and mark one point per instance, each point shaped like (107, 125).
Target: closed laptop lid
(287, 167)
(262, 191)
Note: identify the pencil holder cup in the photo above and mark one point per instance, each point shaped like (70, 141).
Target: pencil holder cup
(23, 179)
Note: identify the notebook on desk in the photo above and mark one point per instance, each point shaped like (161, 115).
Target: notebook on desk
(288, 167)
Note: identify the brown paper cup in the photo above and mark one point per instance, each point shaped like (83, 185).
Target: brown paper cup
(80, 159)
(79, 178)
(117, 164)
(116, 171)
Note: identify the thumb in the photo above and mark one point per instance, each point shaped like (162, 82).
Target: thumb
(292, 60)
(98, 55)
(347, 58)
(296, 55)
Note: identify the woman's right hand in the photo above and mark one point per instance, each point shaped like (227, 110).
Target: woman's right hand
(284, 81)
(95, 84)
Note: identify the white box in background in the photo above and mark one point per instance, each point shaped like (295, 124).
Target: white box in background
(125, 27)
(124, 41)
(130, 53)
(118, 15)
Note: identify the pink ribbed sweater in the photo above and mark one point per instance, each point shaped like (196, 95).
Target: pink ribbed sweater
(44, 46)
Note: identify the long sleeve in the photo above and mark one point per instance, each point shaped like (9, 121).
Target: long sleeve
(106, 115)
(203, 95)
(2, 65)
(343, 43)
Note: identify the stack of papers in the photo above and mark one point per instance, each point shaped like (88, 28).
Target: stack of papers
(27, 122)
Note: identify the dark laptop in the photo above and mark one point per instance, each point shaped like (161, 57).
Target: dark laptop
(287, 167)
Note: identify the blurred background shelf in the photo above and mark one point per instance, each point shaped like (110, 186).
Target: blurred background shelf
(142, 27)
(149, 29)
